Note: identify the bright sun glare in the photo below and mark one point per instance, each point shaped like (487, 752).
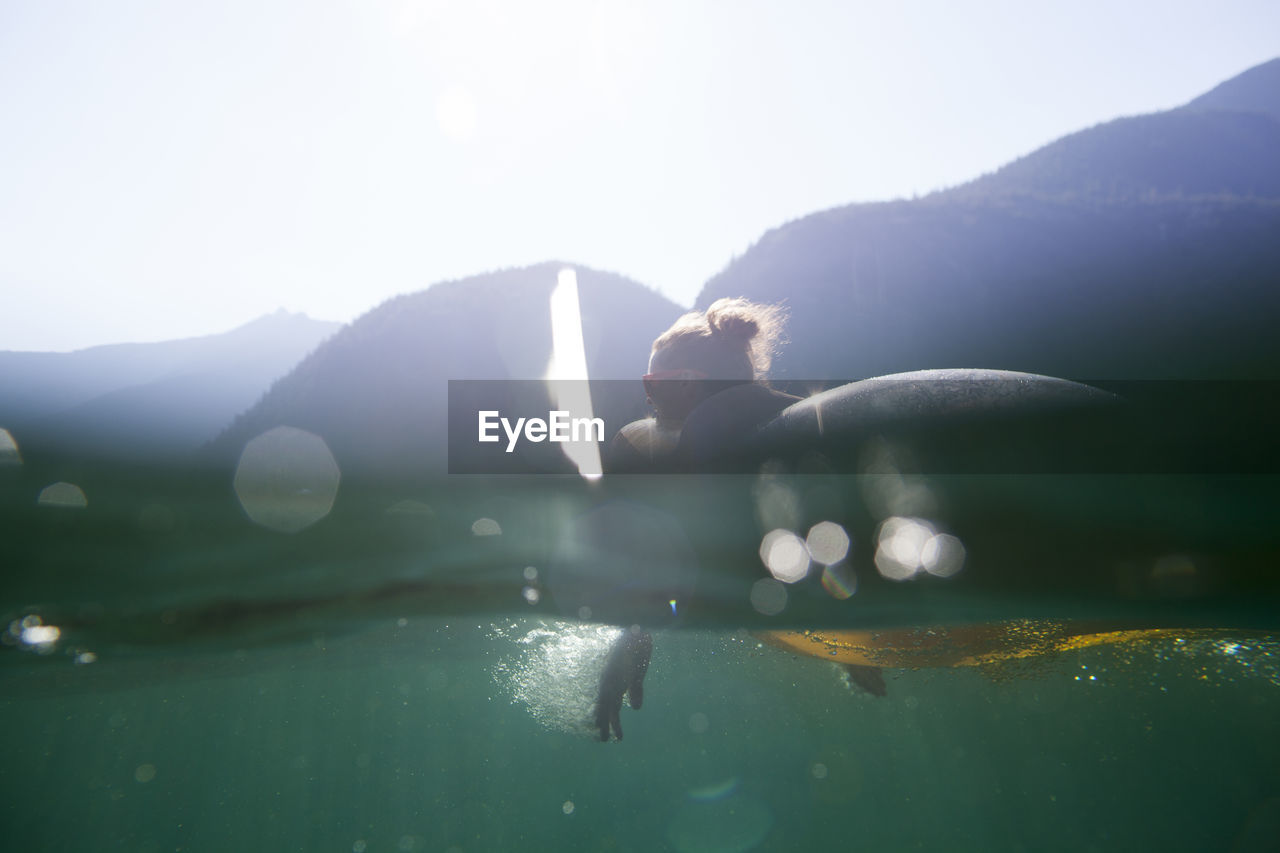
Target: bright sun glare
(567, 372)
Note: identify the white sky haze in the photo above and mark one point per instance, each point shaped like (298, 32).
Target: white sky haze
(174, 169)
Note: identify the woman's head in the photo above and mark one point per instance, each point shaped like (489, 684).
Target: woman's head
(732, 340)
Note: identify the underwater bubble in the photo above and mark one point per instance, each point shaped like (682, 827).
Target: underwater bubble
(485, 527)
(287, 479)
(9, 454)
(900, 546)
(784, 555)
(63, 496)
(943, 555)
(768, 596)
(827, 542)
(145, 772)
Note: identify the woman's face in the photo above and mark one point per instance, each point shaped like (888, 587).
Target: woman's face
(673, 389)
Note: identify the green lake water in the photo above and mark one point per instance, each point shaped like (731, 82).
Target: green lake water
(412, 680)
(461, 736)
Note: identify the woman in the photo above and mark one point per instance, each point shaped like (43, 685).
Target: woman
(706, 382)
(706, 385)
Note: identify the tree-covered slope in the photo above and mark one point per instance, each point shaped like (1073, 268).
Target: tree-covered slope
(1145, 247)
(377, 392)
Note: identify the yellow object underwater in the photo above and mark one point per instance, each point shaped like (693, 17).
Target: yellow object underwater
(963, 645)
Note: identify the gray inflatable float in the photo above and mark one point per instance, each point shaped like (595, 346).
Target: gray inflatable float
(953, 421)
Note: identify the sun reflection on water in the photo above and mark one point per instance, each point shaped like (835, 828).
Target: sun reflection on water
(555, 670)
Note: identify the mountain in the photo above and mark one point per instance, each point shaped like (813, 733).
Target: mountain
(1144, 247)
(149, 399)
(1140, 248)
(377, 392)
(1256, 90)
(1187, 152)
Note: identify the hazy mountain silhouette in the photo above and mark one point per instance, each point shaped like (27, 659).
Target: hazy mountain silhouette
(149, 399)
(1256, 90)
(377, 391)
(1141, 248)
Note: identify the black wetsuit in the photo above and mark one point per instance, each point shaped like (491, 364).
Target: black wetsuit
(715, 435)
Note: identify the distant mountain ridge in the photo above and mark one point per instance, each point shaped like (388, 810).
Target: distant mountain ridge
(1221, 143)
(169, 396)
(377, 391)
(1255, 90)
(1141, 248)
(1183, 152)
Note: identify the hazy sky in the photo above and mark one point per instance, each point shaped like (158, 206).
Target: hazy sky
(172, 169)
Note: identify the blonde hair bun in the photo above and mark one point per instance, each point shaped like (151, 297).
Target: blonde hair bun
(733, 338)
(733, 318)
